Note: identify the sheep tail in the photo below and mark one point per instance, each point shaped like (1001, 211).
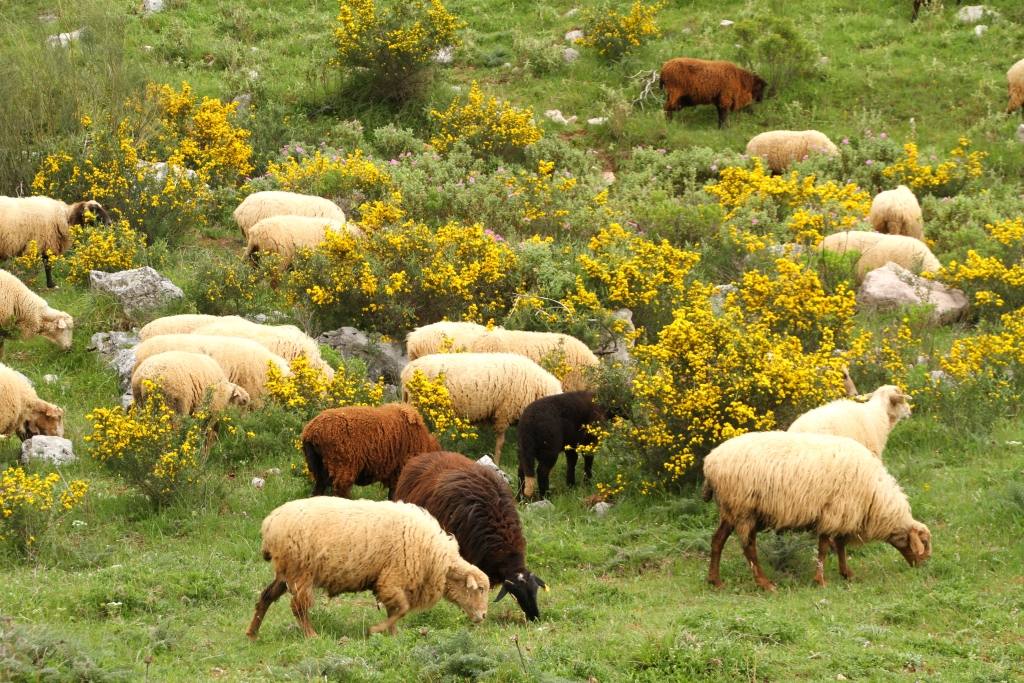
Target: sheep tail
(315, 464)
(707, 493)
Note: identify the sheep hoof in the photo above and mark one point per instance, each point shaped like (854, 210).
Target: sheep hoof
(717, 583)
(250, 635)
(820, 581)
(767, 585)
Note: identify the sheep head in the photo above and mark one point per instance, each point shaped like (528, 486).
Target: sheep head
(238, 396)
(79, 212)
(41, 418)
(758, 89)
(467, 587)
(58, 327)
(914, 542)
(523, 587)
(894, 401)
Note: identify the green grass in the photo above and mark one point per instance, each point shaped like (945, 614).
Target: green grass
(166, 595)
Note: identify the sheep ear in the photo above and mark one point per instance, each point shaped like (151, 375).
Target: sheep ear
(916, 546)
(52, 411)
(62, 324)
(471, 583)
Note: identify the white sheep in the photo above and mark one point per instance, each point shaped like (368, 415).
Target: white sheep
(538, 346)
(285, 235)
(260, 205)
(867, 423)
(441, 336)
(22, 412)
(286, 341)
(1015, 81)
(780, 148)
(487, 387)
(877, 249)
(30, 313)
(244, 361)
(42, 220)
(397, 550)
(830, 485)
(897, 212)
(187, 380)
(183, 323)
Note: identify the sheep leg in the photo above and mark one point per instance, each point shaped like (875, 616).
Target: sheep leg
(588, 467)
(397, 604)
(269, 595)
(717, 543)
(302, 600)
(844, 569)
(749, 542)
(48, 269)
(819, 568)
(571, 456)
(499, 441)
(543, 470)
(722, 113)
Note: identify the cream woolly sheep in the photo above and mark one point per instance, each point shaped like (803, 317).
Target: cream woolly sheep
(286, 341)
(22, 412)
(780, 148)
(487, 387)
(868, 423)
(877, 249)
(397, 550)
(440, 336)
(180, 324)
(285, 235)
(538, 345)
(896, 212)
(830, 485)
(31, 314)
(1015, 80)
(186, 378)
(244, 361)
(260, 205)
(45, 221)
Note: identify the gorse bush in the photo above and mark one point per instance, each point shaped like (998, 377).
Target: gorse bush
(29, 503)
(613, 34)
(309, 390)
(943, 179)
(487, 124)
(431, 398)
(108, 248)
(390, 46)
(774, 48)
(352, 178)
(993, 276)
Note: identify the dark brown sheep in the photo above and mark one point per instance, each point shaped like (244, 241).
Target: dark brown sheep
(547, 427)
(361, 445)
(688, 82)
(473, 503)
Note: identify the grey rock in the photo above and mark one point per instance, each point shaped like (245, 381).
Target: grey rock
(244, 101)
(557, 116)
(1020, 133)
(574, 36)
(486, 461)
(152, 6)
(941, 377)
(972, 14)
(160, 170)
(540, 505)
(123, 363)
(50, 379)
(54, 450)
(601, 509)
(446, 55)
(382, 359)
(109, 343)
(258, 482)
(616, 347)
(570, 55)
(65, 39)
(892, 286)
(138, 290)
(127, 400)
(718, 298)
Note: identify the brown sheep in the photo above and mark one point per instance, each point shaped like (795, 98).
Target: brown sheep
(688, 82)
(362, 444)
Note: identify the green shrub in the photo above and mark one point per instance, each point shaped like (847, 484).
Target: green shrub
(775, 49)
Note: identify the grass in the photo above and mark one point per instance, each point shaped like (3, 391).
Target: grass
(128, 593)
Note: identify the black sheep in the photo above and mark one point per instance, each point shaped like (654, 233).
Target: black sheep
(547, 427)
(473, 503)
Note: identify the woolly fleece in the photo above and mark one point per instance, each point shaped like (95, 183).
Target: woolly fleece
(867, 423)
(31, 314)
(185, 378)
(1015, 81)
(897, 212)
(429, 339)
(284, 235)
(22, 412)
(260, 205)
(780, 148)
(877, 249)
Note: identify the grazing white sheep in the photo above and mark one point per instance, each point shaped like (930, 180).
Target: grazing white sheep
(867, 423)
(540, 345)
(286, 341)
(244, 361)
(897, 212)
(285, 235)
(444, 335)
(22, 412)
(180, 324)
(260, 205)
(1015, 81)
(397, 550)
(877, 249)
(187, 380)
(830, 485)
(42, 220)
(780, 148)
(487, 387)
(30, 313)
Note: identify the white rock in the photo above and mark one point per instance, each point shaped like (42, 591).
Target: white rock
(127, 400)
(137, 290)
(892, 286)
(570, 55)
(597, 121)
(726, 22)
(972, 14)
(717, 298)
(557, 116)
(64, 39)
(544, 504)
(980, 29)
(486, 461)
(601, 509)
(147, 48)
(1020, 132)
(152, 6)
(253, 74)
(446, 55)
(160, 169)
(574, 36)
(608, 177)
(573, 12)
(258, 482)
(274, 472)
(54, 450)
(941, 377)
(50, 379)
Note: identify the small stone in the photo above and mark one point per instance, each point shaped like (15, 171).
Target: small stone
(445, 55)
(486, 461)
(50, 379)
(597, 121)
(47, 17)
(601, 509)
(608, 177)
(64, 39)
(147, 48)
(571, 13)
(137, 290)
(574, 36)
(980, 29)
(1020, 133)
(244, 101)
(152, 6)
(726, 22)
(717, 298)
(54, 450)
(253, 74)
(570, 55)
(557, 116)
(274, 472)
(840, 677)
(941, 377)
(544, 504)
(258, 482)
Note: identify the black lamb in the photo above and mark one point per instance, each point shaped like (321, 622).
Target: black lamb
(547, 427)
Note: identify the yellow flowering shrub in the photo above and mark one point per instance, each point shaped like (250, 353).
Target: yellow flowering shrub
(542, 198)
(103, 247)
(992, 275)
(392, 44)
(486, 124)
(613, 34)
(310, 389)
(29, 266)
(153, 449)
(990, 366)
(28, 503)
(431, 398)
(945, 178)
(331, 175)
